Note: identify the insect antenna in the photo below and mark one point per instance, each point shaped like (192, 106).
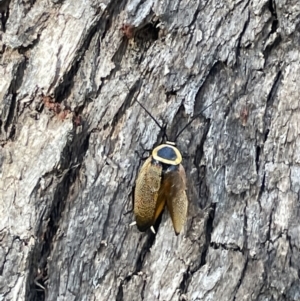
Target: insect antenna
(197, 115)
(163, 128)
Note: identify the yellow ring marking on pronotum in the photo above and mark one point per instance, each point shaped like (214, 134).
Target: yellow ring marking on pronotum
(155, 155)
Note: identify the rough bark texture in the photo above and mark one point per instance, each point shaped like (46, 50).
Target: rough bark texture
(70, 131)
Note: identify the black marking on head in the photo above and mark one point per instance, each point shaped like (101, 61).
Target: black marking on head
(167, 153)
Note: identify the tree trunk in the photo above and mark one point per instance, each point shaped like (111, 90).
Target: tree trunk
(72, 138)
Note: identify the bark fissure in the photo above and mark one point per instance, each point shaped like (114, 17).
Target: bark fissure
(44, 247)
(199, 150)
(272, 8)
(4, 13)
(11, 118)
(192, 270)
(242, 277)
(242, 34)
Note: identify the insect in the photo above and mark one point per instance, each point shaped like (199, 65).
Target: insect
(161, 182)
(128, 30)
(244, 114)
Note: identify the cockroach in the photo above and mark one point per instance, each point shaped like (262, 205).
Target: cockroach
(161, 182)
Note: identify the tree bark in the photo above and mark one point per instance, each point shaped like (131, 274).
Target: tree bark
(72, 137)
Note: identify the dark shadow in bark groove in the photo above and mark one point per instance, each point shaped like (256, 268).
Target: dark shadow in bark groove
(208, 232)
(238, 47)
(178, 123)
(186, 279)
(219, 76)
(199, 150)
(12, 113)
(271, 96)
(147, 35)
(258, 150)
(4, 13)
(120, 292)
(269, 104)
(241, 278)
(64, 89)
(187, 276)
(274, 45)
(42, 249)
(272, 8)
(126, 104)
(145, 249)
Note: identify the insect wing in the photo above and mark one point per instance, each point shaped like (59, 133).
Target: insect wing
(147, 205)
(177, 202)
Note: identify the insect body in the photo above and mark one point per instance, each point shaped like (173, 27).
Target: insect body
(161, 181)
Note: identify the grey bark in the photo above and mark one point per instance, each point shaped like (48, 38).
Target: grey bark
(70, 72)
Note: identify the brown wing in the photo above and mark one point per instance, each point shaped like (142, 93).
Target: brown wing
(174, 184)
(147, 205)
